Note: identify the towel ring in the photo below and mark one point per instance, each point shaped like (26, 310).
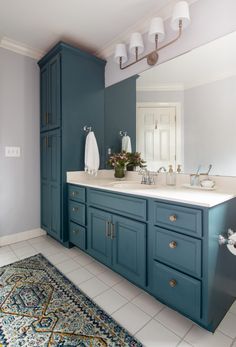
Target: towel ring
(123, 133)
(87, 129)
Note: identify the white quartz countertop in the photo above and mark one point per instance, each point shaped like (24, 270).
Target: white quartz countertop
(131, 185)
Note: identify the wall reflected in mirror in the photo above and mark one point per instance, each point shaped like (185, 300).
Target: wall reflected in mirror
(186, 110)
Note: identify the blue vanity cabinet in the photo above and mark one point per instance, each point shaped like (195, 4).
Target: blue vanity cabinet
(187, 269)
(72, 96)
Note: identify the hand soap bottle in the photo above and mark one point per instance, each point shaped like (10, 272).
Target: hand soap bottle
(170, 177)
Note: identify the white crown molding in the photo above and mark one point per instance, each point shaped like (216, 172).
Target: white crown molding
(22, 236)
(141, 26)
(20, 48)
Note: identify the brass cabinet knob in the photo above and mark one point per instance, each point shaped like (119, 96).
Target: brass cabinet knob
(75, 231)
(173, 218)
(75, 209)
(74, 193)
(172, 283)
(173, 244)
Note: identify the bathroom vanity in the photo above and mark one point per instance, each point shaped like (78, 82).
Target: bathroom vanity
(165, 240)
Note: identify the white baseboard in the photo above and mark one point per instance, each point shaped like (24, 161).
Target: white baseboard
(22, 236)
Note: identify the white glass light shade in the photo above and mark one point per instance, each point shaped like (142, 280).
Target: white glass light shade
(136, 40)
(120, 52)
(156, 28)
(181, 12)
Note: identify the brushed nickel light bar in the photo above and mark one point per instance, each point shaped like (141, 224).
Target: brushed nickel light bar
(180, 20)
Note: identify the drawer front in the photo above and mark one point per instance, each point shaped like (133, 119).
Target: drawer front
(120, 204)
(178, 290)
(180, 251)
(77, 212)
(77, 235)
(76, 193)
(182, 219)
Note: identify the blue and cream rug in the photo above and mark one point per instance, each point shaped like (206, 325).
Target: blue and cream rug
(40, 307)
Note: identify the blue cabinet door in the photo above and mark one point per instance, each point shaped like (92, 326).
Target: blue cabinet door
(45, 213)
(129, 249)
(50, 183)
(44, 98)
(99, 241)
(54, 93)
(50, 95)
(54, 172)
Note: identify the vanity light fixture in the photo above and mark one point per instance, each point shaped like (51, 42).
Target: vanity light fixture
(180, 20)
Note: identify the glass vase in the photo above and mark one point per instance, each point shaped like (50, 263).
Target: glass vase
(119, 172)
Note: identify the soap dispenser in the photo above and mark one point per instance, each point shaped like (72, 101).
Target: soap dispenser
(170, 177)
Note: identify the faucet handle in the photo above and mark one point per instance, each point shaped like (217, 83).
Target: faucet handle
(142, 171)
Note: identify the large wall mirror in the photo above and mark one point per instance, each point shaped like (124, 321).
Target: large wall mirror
(186, 110)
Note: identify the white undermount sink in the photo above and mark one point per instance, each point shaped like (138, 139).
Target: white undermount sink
(130, 185)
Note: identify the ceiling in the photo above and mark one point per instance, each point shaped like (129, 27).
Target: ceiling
(91, 25)
(208, 63)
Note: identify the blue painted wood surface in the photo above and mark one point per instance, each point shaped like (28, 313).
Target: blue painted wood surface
(129, 249)
(77, 235)
(99, 243)
(185, 255)
(121, 204)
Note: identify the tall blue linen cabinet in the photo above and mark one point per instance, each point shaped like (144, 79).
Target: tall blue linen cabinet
(71, 96)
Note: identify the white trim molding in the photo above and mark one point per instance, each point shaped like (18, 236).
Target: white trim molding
(20, 48)
(22, 236)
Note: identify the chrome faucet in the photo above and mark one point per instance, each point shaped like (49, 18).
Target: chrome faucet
(147, 176)
(162, 168)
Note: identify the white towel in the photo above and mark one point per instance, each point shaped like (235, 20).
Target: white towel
(126, 144)
(91, 155)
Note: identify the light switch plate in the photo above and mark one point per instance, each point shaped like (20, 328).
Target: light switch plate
(13, 152)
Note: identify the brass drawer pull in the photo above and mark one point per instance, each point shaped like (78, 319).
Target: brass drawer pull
(75, 231)
(74, 193)
(173, 218)
(172, 283)
(75, 209)
(173, 244)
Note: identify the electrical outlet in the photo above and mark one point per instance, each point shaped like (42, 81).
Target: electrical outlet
(13, 152)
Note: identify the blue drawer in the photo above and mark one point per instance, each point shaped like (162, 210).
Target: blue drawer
(179, 251)
(77, 235)
(76, 193)
(123, 205)
(178, 290)
(182, 219)
(77, 212)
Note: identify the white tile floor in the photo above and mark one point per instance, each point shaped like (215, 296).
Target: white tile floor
(154, 324)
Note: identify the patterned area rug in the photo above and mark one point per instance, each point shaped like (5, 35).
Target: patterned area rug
(40, 307)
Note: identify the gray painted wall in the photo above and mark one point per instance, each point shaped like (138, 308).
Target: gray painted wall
(209, 127)
(19, 126)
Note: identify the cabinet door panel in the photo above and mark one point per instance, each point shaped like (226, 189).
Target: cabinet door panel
(129, 249)
(99, 244)
(45, 206)
(44, 156)
(54, 93)
(44, 98)
(54, 156)
(55, 211)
